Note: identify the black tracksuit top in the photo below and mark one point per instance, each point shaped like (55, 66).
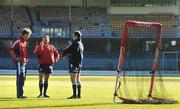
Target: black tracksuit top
(74, 52)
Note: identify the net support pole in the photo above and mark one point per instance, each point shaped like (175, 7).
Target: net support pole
(151, 84)
(157, 53)
(121, 59)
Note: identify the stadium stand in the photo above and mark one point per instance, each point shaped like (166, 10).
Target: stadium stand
(91, 21)
(20, 12)
(169, 23)
(140, 3)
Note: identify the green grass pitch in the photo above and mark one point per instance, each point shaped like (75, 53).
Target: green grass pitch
(97, 93)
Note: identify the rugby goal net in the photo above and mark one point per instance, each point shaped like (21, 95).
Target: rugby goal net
(139, 78)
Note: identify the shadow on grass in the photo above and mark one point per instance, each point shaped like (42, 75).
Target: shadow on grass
(16, 99)
(8, 99)
(58, 106)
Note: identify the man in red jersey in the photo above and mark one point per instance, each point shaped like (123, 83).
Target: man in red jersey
(18, 53)
(48, 55)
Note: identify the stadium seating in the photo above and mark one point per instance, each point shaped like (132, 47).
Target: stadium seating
(140, 3)
(21, 20)
(169, 23)
(91, 21)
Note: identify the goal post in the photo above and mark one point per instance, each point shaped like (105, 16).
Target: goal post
(137, 29)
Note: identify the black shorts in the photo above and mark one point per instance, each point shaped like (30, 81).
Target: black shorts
(46, 68)
(74, 68)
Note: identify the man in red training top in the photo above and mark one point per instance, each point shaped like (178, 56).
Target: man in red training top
(18, 53)
(48, 55)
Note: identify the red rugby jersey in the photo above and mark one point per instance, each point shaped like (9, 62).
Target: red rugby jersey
(47, 54)
(20, 50)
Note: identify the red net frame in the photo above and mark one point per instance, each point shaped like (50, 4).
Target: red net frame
(138, 24)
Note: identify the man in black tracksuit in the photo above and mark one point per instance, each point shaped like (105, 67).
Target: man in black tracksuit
(75, 54)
